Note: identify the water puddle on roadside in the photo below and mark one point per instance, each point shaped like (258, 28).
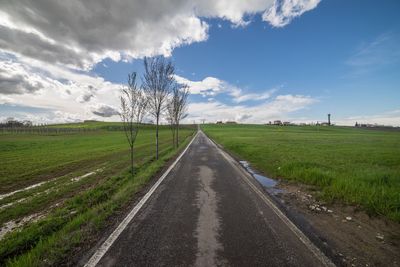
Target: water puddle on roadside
(268, 183)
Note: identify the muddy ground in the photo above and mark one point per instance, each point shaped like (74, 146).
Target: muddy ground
(358, 239)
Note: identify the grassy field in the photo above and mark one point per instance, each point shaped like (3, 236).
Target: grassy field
(83, 179)
(356, 166)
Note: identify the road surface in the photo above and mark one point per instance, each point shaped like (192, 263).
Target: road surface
(205, 213)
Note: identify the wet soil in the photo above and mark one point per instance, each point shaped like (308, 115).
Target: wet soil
(358, 239)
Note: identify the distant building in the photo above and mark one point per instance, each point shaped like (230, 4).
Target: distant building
(219, 122)
(231, 122)
(277, 122)
(286, 123)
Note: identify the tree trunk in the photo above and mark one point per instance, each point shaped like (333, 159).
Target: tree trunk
(157, 139)
(177, 135)
(132, 161)
(173, 136)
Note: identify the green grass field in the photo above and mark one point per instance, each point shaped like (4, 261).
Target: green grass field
(356, 166)
(64, 212)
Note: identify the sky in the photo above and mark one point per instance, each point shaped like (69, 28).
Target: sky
(249, 61)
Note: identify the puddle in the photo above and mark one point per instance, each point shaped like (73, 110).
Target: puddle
(268, 183)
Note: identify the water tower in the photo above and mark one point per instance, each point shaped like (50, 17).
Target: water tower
(329, 119)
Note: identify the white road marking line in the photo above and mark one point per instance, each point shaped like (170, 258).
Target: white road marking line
(303, 238)
(101, 251)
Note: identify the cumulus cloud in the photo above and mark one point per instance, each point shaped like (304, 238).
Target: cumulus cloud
(17, 84)
(82, 33)
(32, 45)
(17, 81)
(278, 108)
(211, 86)
(87, 96)
(282, 12)
(61, 90)
(103, 110)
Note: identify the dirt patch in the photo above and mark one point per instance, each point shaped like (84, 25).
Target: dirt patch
(359, 240)
(17, 224)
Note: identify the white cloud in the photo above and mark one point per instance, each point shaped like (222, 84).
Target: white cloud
(239, 96)
(211, 86)
(76, 95)
(278, 108)
(388, 118)
(284, 11)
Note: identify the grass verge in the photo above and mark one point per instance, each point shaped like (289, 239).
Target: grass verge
(355, 166)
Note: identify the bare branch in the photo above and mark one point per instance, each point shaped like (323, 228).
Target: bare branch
(133, 108)
(157, 82)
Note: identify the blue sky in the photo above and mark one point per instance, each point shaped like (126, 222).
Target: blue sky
(339, 57)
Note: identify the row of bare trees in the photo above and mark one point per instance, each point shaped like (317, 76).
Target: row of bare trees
(158, 95)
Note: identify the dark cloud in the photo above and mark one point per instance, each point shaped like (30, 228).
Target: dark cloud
(85, 97)
(17, 84)
(81, 33)
(34, 46)
(104, 110)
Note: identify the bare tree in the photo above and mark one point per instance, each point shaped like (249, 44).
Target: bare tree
(180, 114)
(157, 81)
(177, 107)
(133, 108)
(171, 118)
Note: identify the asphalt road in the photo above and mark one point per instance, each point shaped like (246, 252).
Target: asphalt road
(205, 214)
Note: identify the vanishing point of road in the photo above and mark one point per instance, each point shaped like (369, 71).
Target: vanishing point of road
(208, 212)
